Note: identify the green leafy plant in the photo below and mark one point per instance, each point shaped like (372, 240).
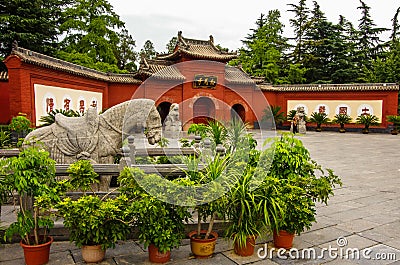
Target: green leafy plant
(51, 116)
(395, 120)
(92, 220)
(251, 211)
(30, 177)
(159, 223)
(368, 120)
(4, 139)
(342, 119)
(274, 113)
(198, 129)
(319, 119)
(302, 182)
(20, 124)
(216, 131)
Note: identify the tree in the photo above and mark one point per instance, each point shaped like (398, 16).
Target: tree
(33, 23)
(368, 42)
(343, 65)
(148, 50)
(263, 48)
(90, 28)
(318, 46)
(171, 44)
(300, 23)
(125, 53)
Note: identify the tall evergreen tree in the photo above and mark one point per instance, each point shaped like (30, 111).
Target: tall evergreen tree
(300, 23)
(342, 67)
(263, 48)
(171, 44)
(124, 52)
(320, 37)
(33, 23)
(368, 42)
(91, 29)
(148, 50)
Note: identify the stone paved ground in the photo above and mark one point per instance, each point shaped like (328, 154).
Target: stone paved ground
(364, 213)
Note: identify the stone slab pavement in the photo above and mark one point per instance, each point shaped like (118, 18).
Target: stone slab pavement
(360, 224)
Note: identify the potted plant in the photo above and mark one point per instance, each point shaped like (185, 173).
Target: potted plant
(395, 120)
(319, 119)
(203, 241)
(160, 224)
(19, 127)
(250, 210)
(94, 223)
(342, 119)
(368, 120)
(301, 183)
(30, 178)
(272, 117)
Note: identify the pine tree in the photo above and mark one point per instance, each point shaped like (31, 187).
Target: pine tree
(125, 53)
(34, 24)
(368, 42)
(263, 48)
(91, 29)
(148, 50)
(300, 23)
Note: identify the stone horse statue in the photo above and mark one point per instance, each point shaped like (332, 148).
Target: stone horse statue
(98, 137)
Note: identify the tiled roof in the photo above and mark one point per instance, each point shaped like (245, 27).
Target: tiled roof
(330, 87)
(236, 75)
(42, 60)
(160, 69)
(198, 49)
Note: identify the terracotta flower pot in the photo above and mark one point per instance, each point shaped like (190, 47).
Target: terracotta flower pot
(39, 254)
(247, 250)
(158, 257)
(203, 248)
(283, 240)
(93, 254)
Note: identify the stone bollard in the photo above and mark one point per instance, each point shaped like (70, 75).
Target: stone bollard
(132, 149)
(207, 151)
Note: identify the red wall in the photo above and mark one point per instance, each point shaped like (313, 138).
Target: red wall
(4, 103)
(389, 98)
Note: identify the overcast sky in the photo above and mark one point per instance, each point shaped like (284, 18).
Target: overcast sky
(228, 21)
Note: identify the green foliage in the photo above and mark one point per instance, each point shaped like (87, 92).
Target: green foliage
(125, 53)
(217, 131)
(302, 182)
(171, 44)
(91, 36)
(342, 119)
(82, 175)
(367, 120)
(158, 222)
(164, 142)
(263, 48)
(31, 176)
(94, 221)
(148, 51)
(20, 124)
(34, 24)
(319, 119)
(50, 117)
(395, 120)
(4, 139)
(198, 129)
(275, 113)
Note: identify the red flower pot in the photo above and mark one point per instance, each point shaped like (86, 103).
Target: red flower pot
(37, 254)
(247, 250)
(157, 256)
(283, 240)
